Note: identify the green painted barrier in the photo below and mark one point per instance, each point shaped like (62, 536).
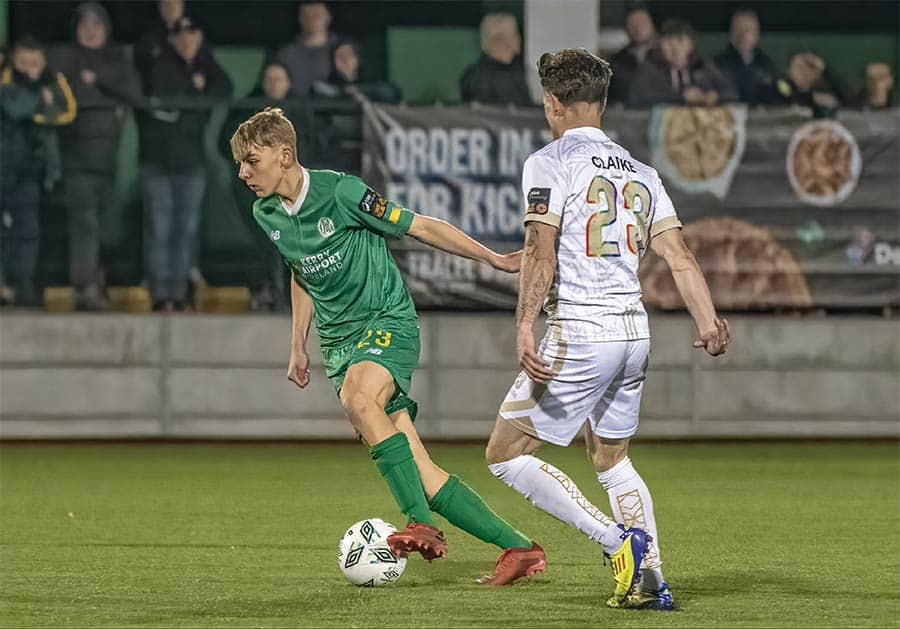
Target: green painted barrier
(426, 63)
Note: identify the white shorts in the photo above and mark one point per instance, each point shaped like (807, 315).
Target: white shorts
(599, 383)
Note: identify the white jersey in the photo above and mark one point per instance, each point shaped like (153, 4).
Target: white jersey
(607, 206)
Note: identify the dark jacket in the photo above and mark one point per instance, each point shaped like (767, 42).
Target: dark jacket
(624, 66)
(790, 94)
(756, 82)
(28, 125)
(340, 88)
(653, 82)
(828, 83)
(175, 143)
(336, 137)
(91, 142)
(305, 65)
(149, 49)
(490, 82)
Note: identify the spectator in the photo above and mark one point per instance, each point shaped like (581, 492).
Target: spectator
(675, 74)
(32, 101)
(344, 81)
(337, 139)
(188, 80)
(276, 83)
(809, 85)
(308, 57)
(497, 78)
(273, 90)
(879, 90)
(155, 41)
(105, 83)
(641, 40)
(748, 68)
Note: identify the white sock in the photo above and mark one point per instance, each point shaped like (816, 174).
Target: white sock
(554, 492)
(632, 505)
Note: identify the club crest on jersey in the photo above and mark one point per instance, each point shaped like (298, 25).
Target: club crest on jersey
(326, 227)
(275, 234)
(538, 200)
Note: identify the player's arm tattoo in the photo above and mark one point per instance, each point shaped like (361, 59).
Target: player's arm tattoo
(538, 270)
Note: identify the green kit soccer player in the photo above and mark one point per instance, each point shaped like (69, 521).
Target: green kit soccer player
(330, 228)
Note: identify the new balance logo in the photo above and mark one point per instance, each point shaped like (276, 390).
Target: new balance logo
(275, 234)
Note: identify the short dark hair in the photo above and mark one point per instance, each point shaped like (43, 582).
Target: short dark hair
(744, 11)
(676, 28)
(634, 7)
(574, 75)
(345, 41)
(304, 3)
(27, 42)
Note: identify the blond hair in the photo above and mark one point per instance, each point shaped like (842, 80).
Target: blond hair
(267, 128)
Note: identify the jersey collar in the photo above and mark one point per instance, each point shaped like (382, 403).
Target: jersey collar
(292, 210)
(592, 132)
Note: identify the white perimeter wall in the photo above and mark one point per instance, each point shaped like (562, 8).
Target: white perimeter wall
(82, 375)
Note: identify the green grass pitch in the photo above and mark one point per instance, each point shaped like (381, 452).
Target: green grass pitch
(245, 535)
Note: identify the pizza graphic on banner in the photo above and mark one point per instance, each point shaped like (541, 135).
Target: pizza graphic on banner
(698, 149)
(746, 267)
(823, 162)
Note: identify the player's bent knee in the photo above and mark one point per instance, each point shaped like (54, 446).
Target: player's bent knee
(493, 454)
(499, 454)
(507, 444)
(605, 457)
(356, 403)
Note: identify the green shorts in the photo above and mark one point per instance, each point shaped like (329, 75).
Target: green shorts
(392, 344)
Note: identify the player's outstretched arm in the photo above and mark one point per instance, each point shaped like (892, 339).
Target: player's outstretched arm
(538, 269)
(714, 332)
(301, 316)
(444, 236)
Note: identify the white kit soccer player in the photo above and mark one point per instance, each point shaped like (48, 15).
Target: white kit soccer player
(592, 212)
(607, 206)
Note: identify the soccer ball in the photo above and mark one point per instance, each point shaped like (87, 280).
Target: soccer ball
(364, 556)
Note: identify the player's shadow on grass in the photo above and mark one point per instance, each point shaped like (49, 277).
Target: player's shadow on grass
(462, 573)
(713, 587)
(757, 580)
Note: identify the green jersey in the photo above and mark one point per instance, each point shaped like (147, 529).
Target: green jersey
(333, 240)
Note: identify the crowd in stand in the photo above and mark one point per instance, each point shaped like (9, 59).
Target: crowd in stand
(663, 67)
(63, 110)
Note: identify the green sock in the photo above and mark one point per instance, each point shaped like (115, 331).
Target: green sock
(465, 509)
(395, 462)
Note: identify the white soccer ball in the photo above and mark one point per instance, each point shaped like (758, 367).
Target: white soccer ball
(364, 556)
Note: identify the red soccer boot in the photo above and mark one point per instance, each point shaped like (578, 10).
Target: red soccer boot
(418, 537)
(515, 563)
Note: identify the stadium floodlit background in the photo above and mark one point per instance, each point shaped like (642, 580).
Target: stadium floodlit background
(158, 469)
